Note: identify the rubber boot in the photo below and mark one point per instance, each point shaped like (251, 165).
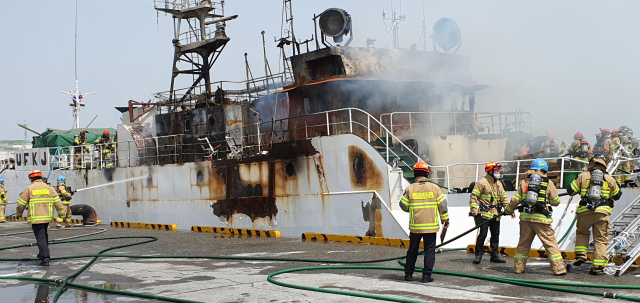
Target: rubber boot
(579, 260)
(478, 259)
(3, 221)
(45, 262)
(426, 279)
(495, 258)
(597, 271)
(408, 277)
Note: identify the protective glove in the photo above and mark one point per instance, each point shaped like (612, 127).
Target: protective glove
(474, 212)
(446, 224)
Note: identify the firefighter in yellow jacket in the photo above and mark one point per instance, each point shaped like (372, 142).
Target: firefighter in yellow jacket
(3, 201)
(41, 198)
(487, 200)
(534, 197)
(597, 191)
(65, 197)
(424, 201)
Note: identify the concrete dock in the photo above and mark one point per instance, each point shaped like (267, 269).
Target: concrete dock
(209, 280)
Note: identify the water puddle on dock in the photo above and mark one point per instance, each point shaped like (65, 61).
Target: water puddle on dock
(44, 293)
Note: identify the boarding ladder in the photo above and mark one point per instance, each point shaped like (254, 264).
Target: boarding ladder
(624, 228)
(625, 238)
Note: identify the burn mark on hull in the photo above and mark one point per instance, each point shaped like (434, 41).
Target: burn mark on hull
(364, 174)
(253, 207)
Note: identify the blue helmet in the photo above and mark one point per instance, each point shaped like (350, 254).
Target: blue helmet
(61, 179)
(539, 164)
(1, 180)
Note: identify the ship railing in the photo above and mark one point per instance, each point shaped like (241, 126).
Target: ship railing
(183, 4)
(236, 91)
(512, 170)
(333, 122)
(456, 123)
(195, 35)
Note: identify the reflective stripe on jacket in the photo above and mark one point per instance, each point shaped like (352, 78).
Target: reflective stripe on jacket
(424, 201)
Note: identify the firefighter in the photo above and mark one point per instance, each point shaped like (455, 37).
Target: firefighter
(421, 199)
(41, 198)
(618, 140)
(487, 200)
(3, 201)
(106, 145)
(580, 148)
(534, 199)
(80, 141)
(606, 144)
(527, 148)
(598, 147)
(549, 147)
(65, 197)
(597, 191)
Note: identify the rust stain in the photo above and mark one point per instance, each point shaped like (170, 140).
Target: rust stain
(379, 223)
(363, 172)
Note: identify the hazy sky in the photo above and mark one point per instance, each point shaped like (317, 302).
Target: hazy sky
(573, 64)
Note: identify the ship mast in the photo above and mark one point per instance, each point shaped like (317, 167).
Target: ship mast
(76, 96)
(196, 48)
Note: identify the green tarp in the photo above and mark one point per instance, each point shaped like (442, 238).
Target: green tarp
(59, 137)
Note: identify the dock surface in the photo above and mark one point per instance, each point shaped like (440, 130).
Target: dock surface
(208, 280)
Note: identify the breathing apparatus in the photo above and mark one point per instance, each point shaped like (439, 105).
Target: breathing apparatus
(593, 198)
(536, 199)
(584, 149)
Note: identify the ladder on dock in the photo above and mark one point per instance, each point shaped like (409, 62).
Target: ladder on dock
(625, 238)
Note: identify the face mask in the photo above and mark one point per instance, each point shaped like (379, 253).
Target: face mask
(496, 176)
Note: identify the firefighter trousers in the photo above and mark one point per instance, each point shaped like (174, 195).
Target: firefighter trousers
(626, 165)
(429, 253)
(484, 230)
(546, 234)
(3, 207)
(42, 237)
(599, 224)
(67, 215)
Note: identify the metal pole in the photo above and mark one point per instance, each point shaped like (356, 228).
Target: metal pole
(387, 145)
(517, 173)
(448, 181)
(562, 173)
(477, 171)
(410, 125)
(350, 123)
(327, 115)
(391, 122)
(369, 128)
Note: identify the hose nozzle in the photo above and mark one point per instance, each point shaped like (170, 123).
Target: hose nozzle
(610, 295)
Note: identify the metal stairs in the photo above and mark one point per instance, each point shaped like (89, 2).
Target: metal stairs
(625, 238)
(624, 228)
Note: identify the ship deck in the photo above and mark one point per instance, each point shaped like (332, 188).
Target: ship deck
(209, 280)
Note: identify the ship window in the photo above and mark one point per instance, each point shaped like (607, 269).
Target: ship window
(212, 121)
(187, 125)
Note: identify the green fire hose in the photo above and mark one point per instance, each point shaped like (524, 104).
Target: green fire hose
(67, 282)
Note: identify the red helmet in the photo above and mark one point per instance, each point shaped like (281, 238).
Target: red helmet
(550, 138)
(615, 132)
(35, 173)
(491, 166)
(105, 132)
(578, 136)
(598, 136)
(421, 166)
(605, 131)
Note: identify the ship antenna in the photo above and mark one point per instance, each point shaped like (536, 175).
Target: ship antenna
(76, 97)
